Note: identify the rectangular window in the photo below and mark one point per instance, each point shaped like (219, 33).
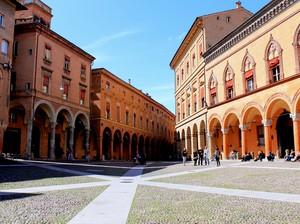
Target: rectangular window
(276, 73)
(47, 53)
(260, 136)
(147, 124)
(134, 120)
(230, 93)
(4, 47)
(118, 117)
(66, 91)
(107, 86)
(228, 19)
(83, 72)
(1, 20)
(127, 117)
(214, 99)
(195, 107)
(15, 48)
(141, 122)
(82, 96)
(67, 63)
(250, 86)
(46, 84)
(107, 110)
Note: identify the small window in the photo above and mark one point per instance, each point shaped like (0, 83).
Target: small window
(1, 20)
(275, 73)
(30, 51)
(47, 53)
(45, 84)
(228, 19)
(66, 91)
(127, 117)
(67, 63)
(134, 120)
(82, 96)
(107, 86)
(4, 47)
(15, 48)
(250, 85)
(230, 93)
(83, 72)
(107, 110)
(27, 85)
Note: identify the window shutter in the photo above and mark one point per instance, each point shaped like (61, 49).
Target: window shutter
(229, 83)
(82, 93)
(273, 62)
(213, 91)
(46, 80)
(248, 74)
(66, 89)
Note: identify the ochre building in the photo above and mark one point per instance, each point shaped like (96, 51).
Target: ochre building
(252, 83)
(242, 93)
(190, 78)
(50, 90)
(125, 121)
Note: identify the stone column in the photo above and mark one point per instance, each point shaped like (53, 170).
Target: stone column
(71, 140)
(225, 142)
(267, 134)
(244, 128)
(121, 150)
(29, 136)
(210, 143)
(112, 149)
(52, 140)
(87, 140)
(296, 127)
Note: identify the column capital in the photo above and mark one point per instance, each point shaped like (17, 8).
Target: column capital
(244, 127)
(52, 125)
(225, 131)
(295, 116)
(266, 122)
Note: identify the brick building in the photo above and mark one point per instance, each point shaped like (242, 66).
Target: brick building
(190, 78)
(50, 89)
(7, 23)
(125, 121)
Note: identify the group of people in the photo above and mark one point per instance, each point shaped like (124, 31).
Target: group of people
(202, 156)
(291, 155)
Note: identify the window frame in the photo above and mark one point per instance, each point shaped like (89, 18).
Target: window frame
(4, 46)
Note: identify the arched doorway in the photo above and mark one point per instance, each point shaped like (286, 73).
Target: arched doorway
(106, 143)
(126, 142)
(35, 142)
(285, 133)
(117, 145)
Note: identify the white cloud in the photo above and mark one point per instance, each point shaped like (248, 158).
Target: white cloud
(111, 37)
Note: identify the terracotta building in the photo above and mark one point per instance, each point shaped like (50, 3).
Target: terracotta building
(7, 23)
(190, 78)
(125, 121)
(50, 89)
(252, 83)
(242, 93)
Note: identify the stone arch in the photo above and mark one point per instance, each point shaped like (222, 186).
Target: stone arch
(117, 145)
(106, 143)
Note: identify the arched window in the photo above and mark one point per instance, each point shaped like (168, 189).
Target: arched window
(274, 62)
(297, 49)
(213, 90)
(229, 78)
(248, 70)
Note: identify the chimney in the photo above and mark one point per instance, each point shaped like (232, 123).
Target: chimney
(238, 4)
(129, 81)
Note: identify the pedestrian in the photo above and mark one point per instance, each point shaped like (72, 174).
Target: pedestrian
(184, 154)
(217, 155)
(196, 157)
(88, 156)
(200, 156)
(70, 154)
(206, 156)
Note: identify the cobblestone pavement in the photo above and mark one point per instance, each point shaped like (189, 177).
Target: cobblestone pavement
(235, 192)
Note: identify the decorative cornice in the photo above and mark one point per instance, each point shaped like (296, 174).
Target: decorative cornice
(259, 19)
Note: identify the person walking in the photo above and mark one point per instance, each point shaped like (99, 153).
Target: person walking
(196, 157)
(206, 156)
(217, 155)
(184, 154)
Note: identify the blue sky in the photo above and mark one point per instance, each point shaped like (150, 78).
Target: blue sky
(136, 39)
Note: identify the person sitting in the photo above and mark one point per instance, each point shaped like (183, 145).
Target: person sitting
(291, 156)
(271, 156)
(297, 157)
(246, 157)
(260, 157)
